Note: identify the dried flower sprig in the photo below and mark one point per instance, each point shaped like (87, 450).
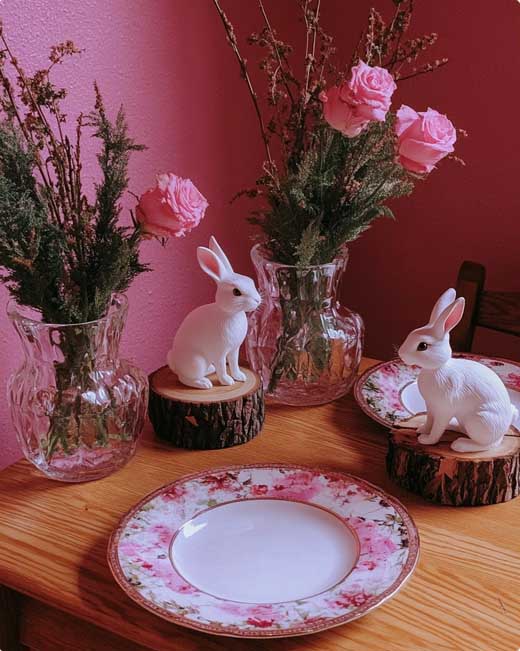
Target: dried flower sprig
(325, 189)
(60, 253)
(382, 44)
(232, 40)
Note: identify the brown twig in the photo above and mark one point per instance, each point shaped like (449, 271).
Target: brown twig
(430, 67)
(308, 55)
(281, 59)
(311, 28)
(393, 59)
(245, 74)
(47, 181)
(58, 166)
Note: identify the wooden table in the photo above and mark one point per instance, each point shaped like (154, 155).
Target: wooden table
(464, 595)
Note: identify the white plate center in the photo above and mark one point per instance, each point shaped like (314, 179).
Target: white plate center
(412, 399)
(264, 551)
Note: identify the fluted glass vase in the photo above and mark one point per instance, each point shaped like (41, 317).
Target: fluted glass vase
(76, 406)
(302, 342)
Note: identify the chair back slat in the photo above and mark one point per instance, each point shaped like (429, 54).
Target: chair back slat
(470, 284)
(494, 310)
(500, 311)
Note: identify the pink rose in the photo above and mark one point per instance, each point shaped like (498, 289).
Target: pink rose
(260, 623)
(339, 114)
(370, 91)
(423, 138)
(173, 207)
(513, 381)
(347, 600)
(365, 97)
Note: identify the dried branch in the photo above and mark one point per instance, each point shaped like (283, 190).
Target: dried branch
(58, 253)
(312, 27)
(232, 40)
(428, 67)
(281, 57)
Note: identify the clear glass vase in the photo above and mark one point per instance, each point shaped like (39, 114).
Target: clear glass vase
(76, 406)
(301, 341)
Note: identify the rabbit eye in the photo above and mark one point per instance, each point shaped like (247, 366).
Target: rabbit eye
(237, 292)
(422, 346)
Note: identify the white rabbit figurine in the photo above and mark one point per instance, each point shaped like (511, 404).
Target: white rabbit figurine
(211, 335)
(456, 388)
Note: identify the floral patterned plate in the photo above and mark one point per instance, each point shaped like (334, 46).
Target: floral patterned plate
(388, 392)
(264, 550)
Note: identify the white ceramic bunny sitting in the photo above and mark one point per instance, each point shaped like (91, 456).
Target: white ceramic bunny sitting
(212, 334)
(460, 388)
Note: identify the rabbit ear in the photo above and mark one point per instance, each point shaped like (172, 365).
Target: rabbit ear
(215, 247)
(449, 318)
(210, 263)
(446, 299)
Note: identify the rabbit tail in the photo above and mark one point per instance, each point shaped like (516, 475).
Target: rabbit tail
(169, 360)
(464, 444)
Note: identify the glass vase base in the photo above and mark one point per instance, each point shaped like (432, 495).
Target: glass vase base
(306, 395)
(89, 465)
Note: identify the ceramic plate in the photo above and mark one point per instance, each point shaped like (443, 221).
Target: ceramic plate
(264, 550)
(389, 394)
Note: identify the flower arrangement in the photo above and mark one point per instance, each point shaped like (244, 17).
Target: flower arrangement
(342, 151)
(66, 256)
(61, 253)
(335, 154)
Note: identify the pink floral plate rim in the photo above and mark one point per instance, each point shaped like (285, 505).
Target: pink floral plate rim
(378, 390)
(389, 548)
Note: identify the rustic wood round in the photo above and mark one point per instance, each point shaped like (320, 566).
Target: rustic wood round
(442, 475)
(205, 419)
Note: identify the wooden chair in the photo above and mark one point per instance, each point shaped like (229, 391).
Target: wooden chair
(495, 310)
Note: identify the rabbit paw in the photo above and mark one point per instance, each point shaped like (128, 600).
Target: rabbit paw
(198, 383)
(427, 439)
(206, 383)
(227, 380)
(423, 429)
(239, 376)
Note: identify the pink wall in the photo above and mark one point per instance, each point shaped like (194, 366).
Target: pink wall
(169, 63)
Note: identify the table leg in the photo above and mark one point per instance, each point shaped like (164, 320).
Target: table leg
(9, 620)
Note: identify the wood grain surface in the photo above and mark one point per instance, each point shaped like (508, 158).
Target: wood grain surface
(464, 595)
(470, 284)
(168, 385)
(500, 311)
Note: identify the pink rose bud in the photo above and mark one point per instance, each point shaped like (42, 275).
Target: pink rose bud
(172, 208)
(364, 98)
(423, 139)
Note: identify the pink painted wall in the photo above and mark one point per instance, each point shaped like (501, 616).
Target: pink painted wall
(169, 63)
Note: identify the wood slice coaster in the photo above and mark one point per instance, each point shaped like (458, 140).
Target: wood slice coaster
(205, 419)
(442, 475)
